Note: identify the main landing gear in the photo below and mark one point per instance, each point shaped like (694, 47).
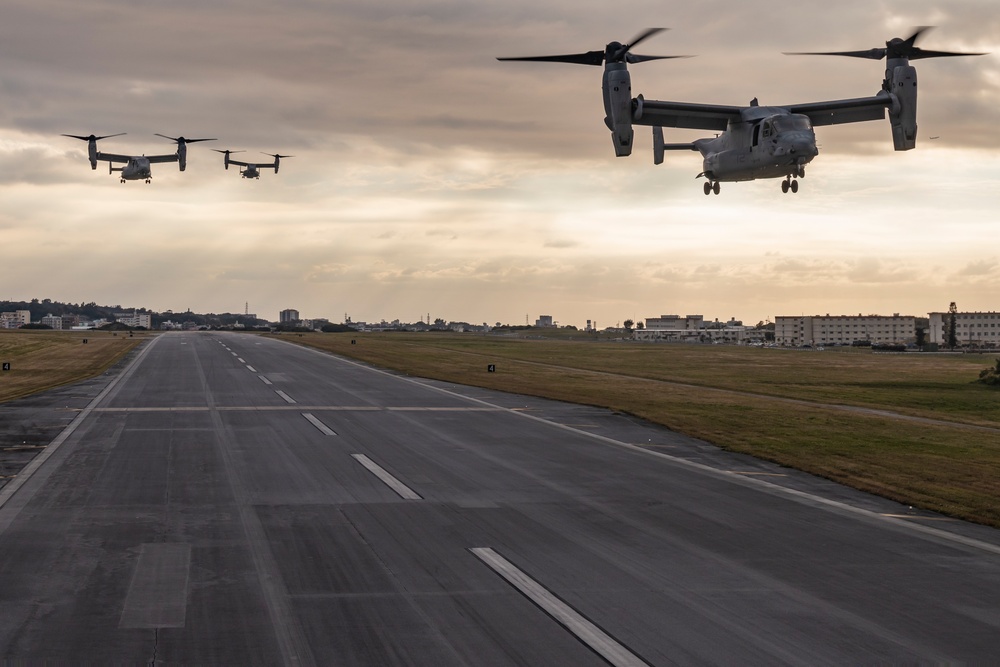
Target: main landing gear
(790, 183)
(711, 186)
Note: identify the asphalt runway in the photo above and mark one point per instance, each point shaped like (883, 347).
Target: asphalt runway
(228, 499)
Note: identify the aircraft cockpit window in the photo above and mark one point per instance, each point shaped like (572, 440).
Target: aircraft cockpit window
(795, 123)
(767, 130)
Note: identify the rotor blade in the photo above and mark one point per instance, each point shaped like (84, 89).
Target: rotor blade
(276, 155)
(918, 31)
(166, 137)
(643, 37)
(632, 58)
(230, 152)
(88, 138)
(191, 141)
(918, 53)
(588, 58)
(872, 54)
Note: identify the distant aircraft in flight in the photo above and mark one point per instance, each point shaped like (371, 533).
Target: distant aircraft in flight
(250, 169)
(137, 167)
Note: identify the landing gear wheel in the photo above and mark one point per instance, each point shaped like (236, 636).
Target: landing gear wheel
(784, 186)
(795, 186)
(715, 187)
(708, 188)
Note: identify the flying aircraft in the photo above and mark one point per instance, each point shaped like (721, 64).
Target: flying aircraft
(137, 167)
(252, 170)
(756, 141)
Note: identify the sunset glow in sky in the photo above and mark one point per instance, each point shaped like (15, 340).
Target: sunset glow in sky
(430, 178)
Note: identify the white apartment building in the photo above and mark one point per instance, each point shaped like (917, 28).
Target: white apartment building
(135, 319)
(844, 329)
(971, 329)
(14, 319)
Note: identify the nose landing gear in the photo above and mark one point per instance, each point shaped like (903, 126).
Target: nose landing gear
(712, 186)
(789, 184)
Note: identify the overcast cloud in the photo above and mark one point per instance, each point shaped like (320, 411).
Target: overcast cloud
(428, 177)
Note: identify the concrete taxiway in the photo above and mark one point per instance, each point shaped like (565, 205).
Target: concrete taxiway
(238, 500)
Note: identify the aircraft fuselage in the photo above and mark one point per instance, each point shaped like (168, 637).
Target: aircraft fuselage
(136, 169)
(767, 142)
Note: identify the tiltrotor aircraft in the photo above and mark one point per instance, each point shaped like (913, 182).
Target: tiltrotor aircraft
(137, 168)
(755, 141)
(251, 170)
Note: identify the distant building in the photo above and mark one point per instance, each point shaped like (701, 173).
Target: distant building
(135, 319)
(672, 328)
(288, 316)
(971, 329)
(844, 329)
(694, 329)
(15, 319)
(544, 321)
(53, 321)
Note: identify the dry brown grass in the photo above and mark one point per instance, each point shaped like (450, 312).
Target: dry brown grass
(42, 360)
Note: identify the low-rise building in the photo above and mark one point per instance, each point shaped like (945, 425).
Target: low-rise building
(844, 329)
(973, 329)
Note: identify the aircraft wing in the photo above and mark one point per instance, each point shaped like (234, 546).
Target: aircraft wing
(162, 158)
(238, 163)
(844, 111)
(113, 157)
(717, 116)
(684, 114)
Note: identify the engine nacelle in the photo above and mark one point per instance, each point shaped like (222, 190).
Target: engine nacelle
(617, 87)
(903, 116)
(92, 152)
(182, 154)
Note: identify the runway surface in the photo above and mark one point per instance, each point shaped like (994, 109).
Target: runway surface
(229, 499)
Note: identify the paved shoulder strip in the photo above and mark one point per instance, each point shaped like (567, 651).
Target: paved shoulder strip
(598, 640)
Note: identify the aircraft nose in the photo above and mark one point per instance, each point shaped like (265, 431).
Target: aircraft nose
(799, 146)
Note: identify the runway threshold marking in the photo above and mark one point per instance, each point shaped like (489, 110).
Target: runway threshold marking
(251, 368)
(264, 379)
(598, 640)
(286, 397)
(403, 490)
(323, 428)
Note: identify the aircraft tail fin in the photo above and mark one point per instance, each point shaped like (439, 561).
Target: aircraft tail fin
(659, 146)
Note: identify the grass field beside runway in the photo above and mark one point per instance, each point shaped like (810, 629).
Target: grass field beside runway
(781, 405)
(41, 359)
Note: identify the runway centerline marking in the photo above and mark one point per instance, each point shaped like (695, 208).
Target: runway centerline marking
(403, 490)
(264, 379)
(599, 641)
(240, 359)
(323, 428)
(286, 397)
(251, 368)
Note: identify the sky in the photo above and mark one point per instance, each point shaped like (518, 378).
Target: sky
(430, 179)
